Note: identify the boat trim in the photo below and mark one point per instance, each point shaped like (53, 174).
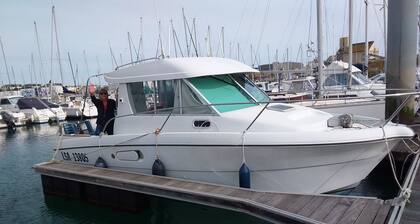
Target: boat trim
(198, 145)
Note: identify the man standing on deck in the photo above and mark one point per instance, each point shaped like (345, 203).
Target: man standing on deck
(106, 111)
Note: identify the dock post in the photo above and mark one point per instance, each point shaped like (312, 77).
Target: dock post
(401, 54)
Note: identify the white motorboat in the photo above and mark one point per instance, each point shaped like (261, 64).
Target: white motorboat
(59, 114)
(207, 119)
(8, 105)
(11, 119)
(74, 108)
(35, 110)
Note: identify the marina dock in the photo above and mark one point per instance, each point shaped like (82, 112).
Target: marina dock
(78, 181)
(408, 212)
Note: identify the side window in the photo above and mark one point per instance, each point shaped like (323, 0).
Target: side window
(141, 97)
(4, 101)
(162, 97)
(342, 79)
(165, 96)
(152, 97)
(190, 101)
(330, 81)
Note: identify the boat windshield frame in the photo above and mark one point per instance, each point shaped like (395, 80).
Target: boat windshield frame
(361, 78)
(245, 98)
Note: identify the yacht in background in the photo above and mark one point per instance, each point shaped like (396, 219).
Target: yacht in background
(73, 107)
(35, 110)
(56, 109)
(8, 105)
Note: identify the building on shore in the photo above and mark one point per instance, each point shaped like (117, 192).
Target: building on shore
(376, 62)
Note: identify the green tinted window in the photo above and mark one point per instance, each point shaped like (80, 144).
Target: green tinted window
(220, 90)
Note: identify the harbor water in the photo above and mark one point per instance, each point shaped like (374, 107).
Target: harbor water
(22, 199)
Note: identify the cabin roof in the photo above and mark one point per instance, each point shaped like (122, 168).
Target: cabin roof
(177, 68)
(339, 67)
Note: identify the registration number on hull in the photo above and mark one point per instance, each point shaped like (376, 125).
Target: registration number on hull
(75, 156)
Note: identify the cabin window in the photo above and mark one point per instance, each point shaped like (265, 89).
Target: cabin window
(141, 97)
(339, 80)
(251, 88)
(190, 102)
(222, 89)
(4, 101)
(162, 97)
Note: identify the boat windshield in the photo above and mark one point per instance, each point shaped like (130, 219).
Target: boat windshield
(223, 89)
(251, 88)
(13, 100)
(50, 104)
(29, 103)
(362, 78)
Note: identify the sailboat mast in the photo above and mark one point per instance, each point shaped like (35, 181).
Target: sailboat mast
(385, 33)
(14, 76)
(209, 41)
(350, 65)
(58, 46)
(320, 9)
(366, 40)
(41, 66)
(5, 61)
(129, 46)
(185, 32)
(33, 68)
(71, 68)
(174, 37)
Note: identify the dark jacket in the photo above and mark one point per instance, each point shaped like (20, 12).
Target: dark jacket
(105, 116)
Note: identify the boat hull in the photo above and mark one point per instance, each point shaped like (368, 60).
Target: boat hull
(280, 168)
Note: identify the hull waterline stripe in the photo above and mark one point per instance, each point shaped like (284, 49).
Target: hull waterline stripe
(239, 145)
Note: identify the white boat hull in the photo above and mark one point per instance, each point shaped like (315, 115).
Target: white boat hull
(297, 169)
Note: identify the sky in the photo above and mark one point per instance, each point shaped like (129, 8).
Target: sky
(92, 26)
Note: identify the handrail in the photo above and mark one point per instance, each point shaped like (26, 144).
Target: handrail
(135, 62)
(86, 92)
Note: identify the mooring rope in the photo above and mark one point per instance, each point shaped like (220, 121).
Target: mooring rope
(406, 193)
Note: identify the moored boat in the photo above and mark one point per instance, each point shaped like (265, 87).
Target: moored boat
(203, 118)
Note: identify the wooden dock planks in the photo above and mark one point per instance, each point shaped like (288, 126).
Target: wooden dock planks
(275, 207)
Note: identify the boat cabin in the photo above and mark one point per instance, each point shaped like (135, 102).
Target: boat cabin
(184, 86)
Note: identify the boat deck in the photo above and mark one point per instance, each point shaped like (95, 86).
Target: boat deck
(274, 207)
